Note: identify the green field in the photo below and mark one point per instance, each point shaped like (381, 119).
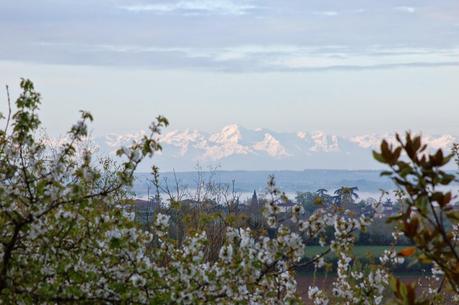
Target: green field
(359, 251)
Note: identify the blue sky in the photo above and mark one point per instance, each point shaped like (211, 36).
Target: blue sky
(348, 67)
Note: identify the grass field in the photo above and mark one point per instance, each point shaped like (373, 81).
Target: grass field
(359, 251)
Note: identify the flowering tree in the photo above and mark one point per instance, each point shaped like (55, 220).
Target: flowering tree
(429, 217)
(68, 236)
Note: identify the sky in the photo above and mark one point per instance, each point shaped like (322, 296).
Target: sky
(346, 67)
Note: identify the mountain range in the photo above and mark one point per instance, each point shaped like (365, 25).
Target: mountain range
(238, 148)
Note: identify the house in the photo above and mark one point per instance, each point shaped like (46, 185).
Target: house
(286, 206)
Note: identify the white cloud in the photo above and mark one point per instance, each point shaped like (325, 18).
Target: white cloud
(337, 13)
(221, 7)
(358, 11)
(375, 57)
(405, 9)
(282, 57)
(327, 13)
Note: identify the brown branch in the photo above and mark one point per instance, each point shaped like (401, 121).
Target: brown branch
(9, 108)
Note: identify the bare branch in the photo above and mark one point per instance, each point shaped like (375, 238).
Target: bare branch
(8, 117)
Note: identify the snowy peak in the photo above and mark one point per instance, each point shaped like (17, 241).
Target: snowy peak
(444, 142)
(367, 141)
(271, 146)
(183, 140)
(324, 143)
(228, 135)
(235, 147)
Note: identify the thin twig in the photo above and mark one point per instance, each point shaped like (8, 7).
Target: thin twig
(8, 98)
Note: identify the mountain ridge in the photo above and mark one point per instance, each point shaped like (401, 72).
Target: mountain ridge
(234, 147)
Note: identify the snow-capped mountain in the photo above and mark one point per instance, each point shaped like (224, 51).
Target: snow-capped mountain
(236, 147)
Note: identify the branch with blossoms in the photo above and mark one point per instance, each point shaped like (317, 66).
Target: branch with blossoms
(69, 234)
(60, 219)
(429, 217)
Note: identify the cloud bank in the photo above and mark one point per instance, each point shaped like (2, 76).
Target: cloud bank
(194, 7)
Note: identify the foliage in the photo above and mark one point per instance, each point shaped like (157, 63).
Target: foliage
(66, 237)
(308, 200)
(379, 233)
(69, 234)
(429, 217)
(346, 195)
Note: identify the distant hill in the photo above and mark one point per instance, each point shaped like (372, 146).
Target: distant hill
(288, 181)
(369, 182)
